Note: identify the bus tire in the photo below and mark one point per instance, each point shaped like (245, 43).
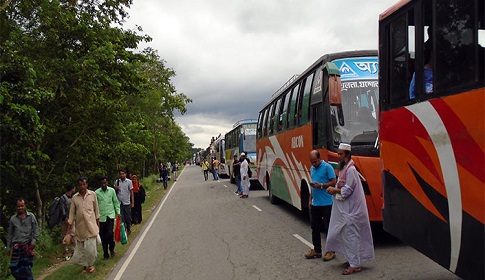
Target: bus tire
(272, 198)
(305, 197)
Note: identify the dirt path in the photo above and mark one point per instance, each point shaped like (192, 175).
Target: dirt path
(46, 272)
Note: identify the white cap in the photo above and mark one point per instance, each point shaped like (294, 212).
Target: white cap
(243, 154)
(344, 146)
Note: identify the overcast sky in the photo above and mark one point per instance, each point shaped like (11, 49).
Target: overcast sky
(230, 56)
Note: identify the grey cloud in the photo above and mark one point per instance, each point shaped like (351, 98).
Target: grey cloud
(230, 56)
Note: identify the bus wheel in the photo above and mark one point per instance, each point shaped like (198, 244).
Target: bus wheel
(272, 198)
(305, 197)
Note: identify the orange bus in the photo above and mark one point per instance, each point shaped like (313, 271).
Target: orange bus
(334, 100)
(431, 125)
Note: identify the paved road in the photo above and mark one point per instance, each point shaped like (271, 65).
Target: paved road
(202, 230)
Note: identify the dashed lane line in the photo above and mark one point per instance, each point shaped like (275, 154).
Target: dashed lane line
(303, 240)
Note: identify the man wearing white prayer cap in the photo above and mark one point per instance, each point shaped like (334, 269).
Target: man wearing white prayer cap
(345, 147)
(349, 233)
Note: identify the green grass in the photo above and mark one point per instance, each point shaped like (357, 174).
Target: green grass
(154, 193)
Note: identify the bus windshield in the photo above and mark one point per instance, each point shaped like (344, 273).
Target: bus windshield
(360, 92)
(249, 140)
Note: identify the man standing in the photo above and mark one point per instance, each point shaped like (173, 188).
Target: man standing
(85, 214)
(23, 232)
(205, 169)
(124, 190)
(109, 209)
(66, 206)
(244, 176)
(215, 168)
(175, 168)
(236, 167)
(320, 203)
(350, 233)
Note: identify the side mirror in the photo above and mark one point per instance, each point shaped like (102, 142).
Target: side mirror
(334, 84)
(335, 90)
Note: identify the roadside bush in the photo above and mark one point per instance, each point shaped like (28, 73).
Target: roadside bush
(4, 259)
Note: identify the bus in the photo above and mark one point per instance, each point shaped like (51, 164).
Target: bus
(334, 100)
(217, 150)
(432, 141)
(242, 138)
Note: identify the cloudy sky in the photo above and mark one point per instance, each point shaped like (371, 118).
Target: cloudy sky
(231, 55)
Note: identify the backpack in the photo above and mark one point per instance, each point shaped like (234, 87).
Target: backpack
(56, 212)
(142, 194)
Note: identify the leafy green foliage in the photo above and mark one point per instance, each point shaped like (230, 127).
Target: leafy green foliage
(77, 99)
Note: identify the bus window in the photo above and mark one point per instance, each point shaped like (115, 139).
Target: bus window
(284, 113)
(269, 114)
(399, 57)
(277, 114)
(264, 125)
(304, 104)
(271, 118)
(293, 106)
(260, 123)
(457, 59)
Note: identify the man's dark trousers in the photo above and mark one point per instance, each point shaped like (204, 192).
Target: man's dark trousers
(320, 219)
(107, 238)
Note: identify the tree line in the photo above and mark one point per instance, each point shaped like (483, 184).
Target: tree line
(77, 98)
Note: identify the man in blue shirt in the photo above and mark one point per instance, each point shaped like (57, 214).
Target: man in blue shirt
(320, 204)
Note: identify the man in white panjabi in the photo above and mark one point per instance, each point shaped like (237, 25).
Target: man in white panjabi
(85, 214)
(349, 231)
(244, 176)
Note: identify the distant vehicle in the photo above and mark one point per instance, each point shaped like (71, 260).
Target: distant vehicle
(432, 145)
(216, 149)
(242, 138)
(335, 100)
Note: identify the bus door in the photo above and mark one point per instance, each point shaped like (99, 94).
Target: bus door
(326, 89)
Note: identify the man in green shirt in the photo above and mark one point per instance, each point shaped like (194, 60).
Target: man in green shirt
(109, 209)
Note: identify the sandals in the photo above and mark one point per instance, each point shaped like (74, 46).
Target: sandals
(351, 270)
(91, 269)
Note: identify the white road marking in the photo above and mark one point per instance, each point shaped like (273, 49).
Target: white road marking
(142, 237)
(303, 240)
(257, 208)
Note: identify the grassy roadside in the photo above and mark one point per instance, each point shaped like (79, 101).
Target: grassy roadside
(49, 267)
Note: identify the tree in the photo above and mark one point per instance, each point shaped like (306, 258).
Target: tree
(76, 98)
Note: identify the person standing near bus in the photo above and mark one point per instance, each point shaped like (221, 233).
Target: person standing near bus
(349, 234)
(236, 167)
(320, 204)
(215, 168)
(244, 176)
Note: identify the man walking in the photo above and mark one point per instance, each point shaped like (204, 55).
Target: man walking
(205, 169)
(320, 204)
(85, 214)
(23, 232)
(124, 190)
(350, 234)
(244, 176)
(109, 209)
